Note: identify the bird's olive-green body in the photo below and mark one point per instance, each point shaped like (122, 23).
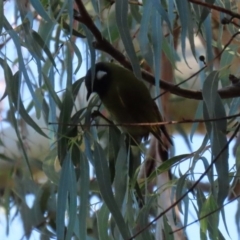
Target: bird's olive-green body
(126, 98)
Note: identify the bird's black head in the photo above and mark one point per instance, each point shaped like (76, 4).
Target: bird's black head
(100, 82)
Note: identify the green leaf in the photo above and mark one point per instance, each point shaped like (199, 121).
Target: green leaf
(114, 146)
(53, 101)
(121, 10)
(68, 62)
(48, 166)
(234, 106)
(224, 220)
(198, 115)
(170, 52)
(76, 87)
(103, 178)
(206, 165)
(167, 229)
(135, 12)
(66, 192)
(6, 158)
(181, 189)
(89, 36)
(218, 130)
(84, 196)
(142, 218)
(167, 165)
(62, 198)
(157, 49)
(23, 68)
(49, 81)
(40, 10)
(63, 129)
(183, 11)
(14, 87)
(210, 222)
(191, 32)
(4, 94)
(69, 4)
(1, 16)
(78, 55)
(209, 37)
(143, 33)
(121, 175)
(43, 46)
(162, 12)
(8, 75)
(74, 32)
(102, 222)
(72, 189)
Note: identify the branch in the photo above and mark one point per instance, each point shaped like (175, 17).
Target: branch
(110, 123)
(104, 45)
(217, 8)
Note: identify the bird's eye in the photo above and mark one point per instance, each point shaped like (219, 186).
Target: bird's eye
(100, 75)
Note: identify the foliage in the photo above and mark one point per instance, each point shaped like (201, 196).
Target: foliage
(91, 195)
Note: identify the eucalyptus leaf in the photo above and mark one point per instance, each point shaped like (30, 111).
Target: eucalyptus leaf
(121, 9)
(218, 138)
(84, 186)
(103, 177)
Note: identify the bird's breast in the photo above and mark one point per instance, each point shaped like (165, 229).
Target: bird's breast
(123, 116)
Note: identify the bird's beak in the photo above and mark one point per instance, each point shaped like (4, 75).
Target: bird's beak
(88, 95)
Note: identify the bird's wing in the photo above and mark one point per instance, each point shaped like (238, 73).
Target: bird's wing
(143, 111)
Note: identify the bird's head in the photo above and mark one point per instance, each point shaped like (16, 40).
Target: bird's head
(100, 81)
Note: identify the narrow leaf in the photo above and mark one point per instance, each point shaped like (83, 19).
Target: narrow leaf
(62, 198)
(72, 189)
(40, 10)
(143, 33)
(102, 223)
(84, 186)
(103, 177)
(183, 10)
(121, 9)
(43, 46)
(218, 138)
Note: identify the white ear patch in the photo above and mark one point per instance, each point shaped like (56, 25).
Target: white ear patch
(100, 74)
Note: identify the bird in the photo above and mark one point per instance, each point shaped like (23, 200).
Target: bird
(128, 101)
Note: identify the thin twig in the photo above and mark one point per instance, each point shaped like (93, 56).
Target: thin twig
(217, 8)
(191, 188)
(148, 124)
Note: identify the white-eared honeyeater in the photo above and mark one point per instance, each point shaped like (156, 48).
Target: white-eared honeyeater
(127, 99)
